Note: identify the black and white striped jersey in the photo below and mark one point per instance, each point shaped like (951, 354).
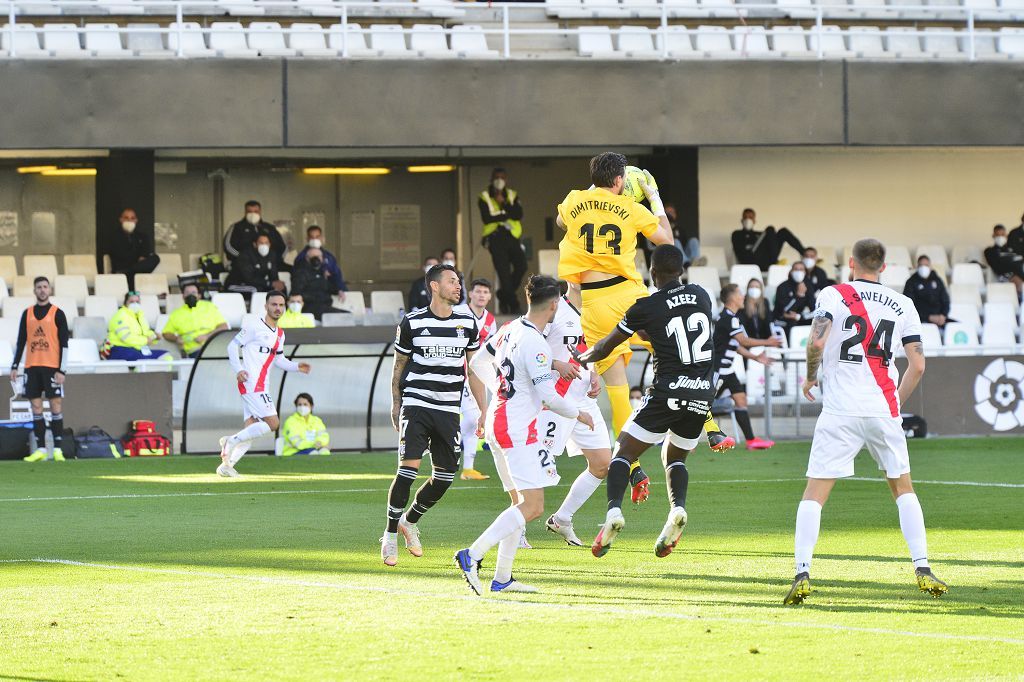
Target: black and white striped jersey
(727, 328)
(436, 347)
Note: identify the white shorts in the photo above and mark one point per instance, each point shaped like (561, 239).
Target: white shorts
(839, 438)
(561, 434)
(525, 467)
(470, 413)
(258, 406)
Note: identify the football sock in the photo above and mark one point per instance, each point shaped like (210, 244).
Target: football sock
(429, 493)
(808, 522)
(618, 479)
(250, 432)
(39, 429)
(743, 419)
(470, 443)
(912, 525)
(710, 424)
(636, 474)
(506, 555)
(510, 523)
(57, 429)
(677, 476)
(580, 491)
(618, 396)
(398, 495)
(238, 452)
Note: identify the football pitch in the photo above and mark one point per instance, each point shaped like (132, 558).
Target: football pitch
(158, 570)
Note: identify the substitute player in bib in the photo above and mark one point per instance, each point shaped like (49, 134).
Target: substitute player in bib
(432, 348)
(526, 386)
(849, 355)
(261, 343)
(597, 255)
(476, 305)
(677, 319)
(43, 337)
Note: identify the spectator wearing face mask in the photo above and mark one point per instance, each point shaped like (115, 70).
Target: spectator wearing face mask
(635, 396)
(311, 281)
(1007, 264)
(928, 292)
(502, 215)
(816, 276)
(419, 294)
(292, 318)
(1015, 239)
(255, 269)
(193, 323)
(315, 240)
(303, 432)
(448, 258)
(754, 247)
(131, 250)
(128, 334)
(754, 314)
(794, 299)
(243, 233)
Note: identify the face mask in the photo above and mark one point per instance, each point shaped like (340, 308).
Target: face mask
(315, 262)
(448, 262)
(295, 307)
(303, 410)
(263, 249)
(1000, 241)
(924, 271)
(191, 301)
(253, 218)
(798, 276)
(754, 293)
(128, 226)
(135, 307)
(498, 184)
(314, 243)
(809, 263)
(748, 224)
(634, 403)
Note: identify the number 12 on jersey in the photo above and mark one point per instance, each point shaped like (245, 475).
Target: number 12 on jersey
(699, 323)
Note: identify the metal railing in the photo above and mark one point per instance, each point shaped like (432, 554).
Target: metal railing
(497, 21)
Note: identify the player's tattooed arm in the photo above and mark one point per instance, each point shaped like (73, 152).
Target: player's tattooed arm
(396, 387)
(816, 345)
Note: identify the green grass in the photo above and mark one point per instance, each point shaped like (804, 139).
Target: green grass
(202, 578)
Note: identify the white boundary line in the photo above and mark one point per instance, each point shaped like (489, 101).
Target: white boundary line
(263, 579)
(333, 491)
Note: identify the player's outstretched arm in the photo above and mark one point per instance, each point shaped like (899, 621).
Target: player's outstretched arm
(820, 328)
(915, 370)
(476, 386)
(603, 348)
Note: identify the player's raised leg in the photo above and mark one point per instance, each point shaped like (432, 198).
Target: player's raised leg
(677, 478)
(582, 488)
(627, 450)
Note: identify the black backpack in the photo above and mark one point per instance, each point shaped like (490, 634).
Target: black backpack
(95, 443)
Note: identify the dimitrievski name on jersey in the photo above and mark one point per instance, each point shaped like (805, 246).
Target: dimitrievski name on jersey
(436, 348)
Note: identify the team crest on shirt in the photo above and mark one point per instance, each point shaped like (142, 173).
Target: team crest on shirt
(460, 331)
(541, 359)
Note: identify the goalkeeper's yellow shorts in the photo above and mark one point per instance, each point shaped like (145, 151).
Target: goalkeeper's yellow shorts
(604, 306)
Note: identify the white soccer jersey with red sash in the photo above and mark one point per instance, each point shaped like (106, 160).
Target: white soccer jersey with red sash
(566, 331)
(260, 346)
(858, 376)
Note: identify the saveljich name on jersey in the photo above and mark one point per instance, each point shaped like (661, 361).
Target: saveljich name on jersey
(876, 297)
(441, 351)
(590, 204)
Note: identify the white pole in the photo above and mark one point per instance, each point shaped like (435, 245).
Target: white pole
(970, 34)
(344, 31)
(10, 30)
(664, 31)
(179, 17)
(817, 27)
(506, 37)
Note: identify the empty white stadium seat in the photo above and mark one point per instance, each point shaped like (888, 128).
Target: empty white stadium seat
(721, 8)
(309, 40)
(388, 40)
(339, 320)
(170, 267)
(94, 328)
(866, 41)
(258, 303)
(984, 45)
(966, 253)
(596, 41)
(13, 306)
(81, 264)
(428, 40)
(354, 302)
(6, 356)
(228, 39)
(4, 293)
(799, 335)
(73, 287)
(470, 41)
(372, 319)
(1003, 314)
(751, 42)
(102, 306)
(8, 268)
(104, 40)
(83, 351)
(790, 41)
(998, 335)
(26, 40)
(386, 301)
(173, 302)
(23, 286)
(941, 42)
(35, 266)
(68, 305)
(267, 37)
(678, 41)
(143, 40)
(959, 334)
(1003, 292)
(242, 7)
(894, 277)
(715, 256)
(547, 262)
(936, 254)
(161, 322)
(9, 330)
(833, 43)
(351, 39)
(966, 313)
(62, 40)
(154, 283)
(714, 41)
(903, 42)
(151, 307)
(193, 42)
(115, 285)
(707, 277)
(897, 255)
(231, 306)
(777, 274)
(741, 274)
(931, 337)
(637, 41)
(968, 273)
(1011, 42)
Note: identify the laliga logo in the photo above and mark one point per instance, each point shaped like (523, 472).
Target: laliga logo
(999, 394)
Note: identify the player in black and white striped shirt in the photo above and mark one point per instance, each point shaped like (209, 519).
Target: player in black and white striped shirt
(433, 346)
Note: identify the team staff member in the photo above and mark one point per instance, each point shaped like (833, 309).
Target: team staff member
(45, 360)
(503, 228)
(193, 323)
(128, 334)
(293, 317)
(304, 433)
(132, 251)
(1004, 261)
(928, 292)
(242, 234)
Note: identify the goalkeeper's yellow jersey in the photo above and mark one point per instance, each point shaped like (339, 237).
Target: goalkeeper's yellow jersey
(600, 234)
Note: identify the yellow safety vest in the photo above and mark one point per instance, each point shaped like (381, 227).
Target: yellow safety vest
(515, 227)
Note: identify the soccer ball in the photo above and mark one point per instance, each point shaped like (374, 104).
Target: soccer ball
(632, 188)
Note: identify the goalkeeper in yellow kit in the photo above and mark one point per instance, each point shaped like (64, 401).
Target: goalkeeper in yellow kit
(597, 256)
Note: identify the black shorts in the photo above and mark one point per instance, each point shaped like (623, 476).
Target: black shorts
(39, 383)
(682, 419)
(728, 384)
(421, 429)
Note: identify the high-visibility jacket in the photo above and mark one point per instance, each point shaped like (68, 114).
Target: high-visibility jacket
(290, 320)
(515, 227)
(303, 433)
(188, 323)
(129, 329)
